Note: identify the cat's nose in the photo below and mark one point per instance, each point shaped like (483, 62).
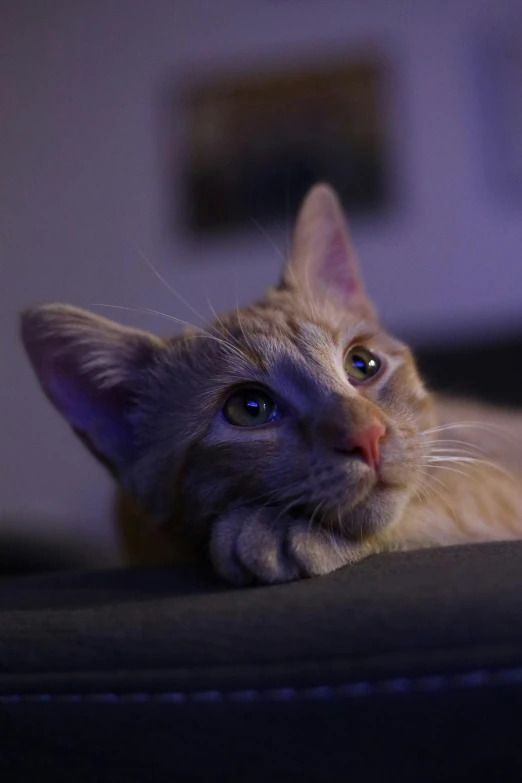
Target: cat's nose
(365, 443)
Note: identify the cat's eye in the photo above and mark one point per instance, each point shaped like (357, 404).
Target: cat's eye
(250, 408)
(361, 364)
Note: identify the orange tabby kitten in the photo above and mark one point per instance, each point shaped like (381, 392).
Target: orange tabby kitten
(294, 436)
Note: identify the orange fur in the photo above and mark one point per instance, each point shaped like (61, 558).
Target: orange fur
(461, 500)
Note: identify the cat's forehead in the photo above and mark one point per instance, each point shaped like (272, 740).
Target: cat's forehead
(279, 348)
(307, 329)
(295, 340)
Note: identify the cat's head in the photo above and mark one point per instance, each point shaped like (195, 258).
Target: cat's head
(300, 401)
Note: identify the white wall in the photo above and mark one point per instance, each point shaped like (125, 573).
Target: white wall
(83, 183)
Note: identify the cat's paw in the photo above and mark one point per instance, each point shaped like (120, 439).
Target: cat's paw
(258, 545)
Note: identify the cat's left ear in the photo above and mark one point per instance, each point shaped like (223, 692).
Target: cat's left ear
(323, 262)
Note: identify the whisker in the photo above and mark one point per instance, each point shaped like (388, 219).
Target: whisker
(440, 495)
(473, 462)
(454, 445)
(329, 530)
(445, 467)
(462, 451)
(285, 509)
(418, 496)
(177, 320)
(497, 429)
(311, 521)
(455, 441)
(280, 491)
(169, 287)
(268, 239)
(220, 322)
(245, 338)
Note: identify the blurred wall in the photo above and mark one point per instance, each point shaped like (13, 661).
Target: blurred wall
(84, 89)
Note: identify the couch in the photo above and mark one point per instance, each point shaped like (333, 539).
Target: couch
(405, 667)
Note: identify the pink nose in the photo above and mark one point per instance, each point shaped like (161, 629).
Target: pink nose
(366, 443)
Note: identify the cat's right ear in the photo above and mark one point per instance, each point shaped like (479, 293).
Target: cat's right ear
(89, 368)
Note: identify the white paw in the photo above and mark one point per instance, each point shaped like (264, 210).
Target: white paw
(260, 545)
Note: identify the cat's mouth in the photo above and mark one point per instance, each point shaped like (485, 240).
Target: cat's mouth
(359, 507)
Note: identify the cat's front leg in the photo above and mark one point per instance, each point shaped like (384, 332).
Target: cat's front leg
(261, 545)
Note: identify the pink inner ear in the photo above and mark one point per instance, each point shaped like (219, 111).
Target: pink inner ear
(335, 270)
(72, 400)
(95, 412)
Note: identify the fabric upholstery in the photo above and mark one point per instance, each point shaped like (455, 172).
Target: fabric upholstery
(406, 666)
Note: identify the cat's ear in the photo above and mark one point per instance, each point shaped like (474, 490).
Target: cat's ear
(323, 262)
(89, 367)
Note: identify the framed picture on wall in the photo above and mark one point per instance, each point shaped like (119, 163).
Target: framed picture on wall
(255, 143)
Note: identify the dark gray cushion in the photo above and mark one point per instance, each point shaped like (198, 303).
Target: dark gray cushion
(406, 666)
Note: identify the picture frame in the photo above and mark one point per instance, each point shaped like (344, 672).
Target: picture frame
(256, 142)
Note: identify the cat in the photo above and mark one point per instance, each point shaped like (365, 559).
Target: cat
(293, 437)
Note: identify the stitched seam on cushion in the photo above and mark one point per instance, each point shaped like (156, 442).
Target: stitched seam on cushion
(477, 678)
(393, 656)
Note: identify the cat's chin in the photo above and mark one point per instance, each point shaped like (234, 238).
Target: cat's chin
(382, 506)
